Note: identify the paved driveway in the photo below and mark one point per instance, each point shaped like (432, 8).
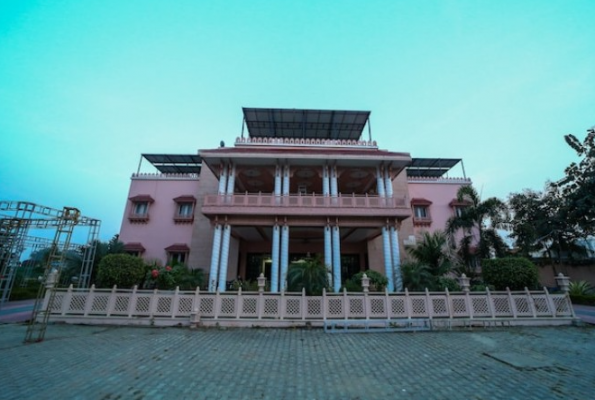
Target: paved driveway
(82, 362)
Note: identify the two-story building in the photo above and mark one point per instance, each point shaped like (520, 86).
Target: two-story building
(296, 183)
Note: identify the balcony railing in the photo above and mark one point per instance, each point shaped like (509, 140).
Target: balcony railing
(134, 217)
(303, 201)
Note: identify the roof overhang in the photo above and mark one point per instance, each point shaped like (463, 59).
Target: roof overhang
(306, 124)
(431, 167)
(175, 163)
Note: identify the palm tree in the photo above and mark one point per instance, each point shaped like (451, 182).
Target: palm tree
(478, 221)
(433, 251)
(310, 274)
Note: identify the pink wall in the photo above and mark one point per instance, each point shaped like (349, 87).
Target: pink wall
(160, 231)
(440, 192)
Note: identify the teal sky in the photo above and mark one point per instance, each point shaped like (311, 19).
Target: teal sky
(87, 86)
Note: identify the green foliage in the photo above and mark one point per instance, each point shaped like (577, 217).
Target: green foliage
(122, 270)
(481, 287)
(247, 286)
(585, 299)
(444, 282)
(352, 286)
(25, 292)
(515, 273)
(478, 222)
(417, 276)
(580, 288)
(168, 277)
(377, 281)
(433, 251)
(310, 274)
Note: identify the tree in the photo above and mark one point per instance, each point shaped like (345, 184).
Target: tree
(310, 274)
(515, 273)
(578, 186)
(122, 270)
(478, 221)
(434, 252)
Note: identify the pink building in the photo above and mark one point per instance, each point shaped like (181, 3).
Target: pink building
(298, 183)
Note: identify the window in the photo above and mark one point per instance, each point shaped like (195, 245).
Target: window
(139, 211)
(185, 209)
(459, 210)
(420, 211)
(141, 207)
(177, 257)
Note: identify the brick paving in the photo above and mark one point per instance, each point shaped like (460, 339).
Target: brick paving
(89, 362)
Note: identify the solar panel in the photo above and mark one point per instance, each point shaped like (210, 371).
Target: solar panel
(431, 167)
(306, 124)
(175, 163)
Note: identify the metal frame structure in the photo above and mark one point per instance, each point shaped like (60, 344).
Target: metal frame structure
(16, 220)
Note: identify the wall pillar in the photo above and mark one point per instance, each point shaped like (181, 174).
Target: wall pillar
(223, 180)
(214, 270)
(231, 179)
(226, 236)
(380, 182)
(325, 181)
(328, 251)
(275, 261)
(396, 253)
(388, 262)
(388, 183)
(336, 259)
(284, 257)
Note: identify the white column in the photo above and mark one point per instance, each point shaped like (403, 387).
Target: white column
(388, 183)
(231, 179)
(284, 257)
(275, 261)
(379, 182)
(396, 253)
(224, 257)
(213, 272)
(334, 184)
(336, 260)
(388, 262)
(223, 180)
(285, 180)
(325, 181)
(277, 180)
(328, 248)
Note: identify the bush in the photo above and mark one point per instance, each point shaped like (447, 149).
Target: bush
(377, 281)
(515, 273)
(580, 288)
(417, 276)
(168, 278)
(122, 270)
(443, 283)
(584, 299)
(309, 274)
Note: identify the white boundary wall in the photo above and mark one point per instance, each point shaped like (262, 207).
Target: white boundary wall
(190, 308)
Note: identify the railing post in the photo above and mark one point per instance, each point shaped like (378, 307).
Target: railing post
(429, 305)
(89, 301)
(153, 303)
(304, 303)
(469, 303)
(282, 305)
(530, 302)
(195, 315)
(448, 304)
(239, 301)
(346, 307)
(386, 303)
(217, 304)
(111, 302)
(66, 300)
(175, 302)
(366, 304)
(260, 301)
(407, 304)
(512, 303)
(550, 302)
(490, 303)
(132, 298)
(323, 306)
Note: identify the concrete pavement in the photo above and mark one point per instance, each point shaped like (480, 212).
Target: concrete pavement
(85, 362)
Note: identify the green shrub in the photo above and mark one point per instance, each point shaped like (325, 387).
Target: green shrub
(168, 278)
(377, 281)
(352, 286)
(442, 283)
(309, 274)
(122, 270)
(25, 292)
(585, 299)
(481, 287)
(515, 273)
(417, 276)
(580, 288)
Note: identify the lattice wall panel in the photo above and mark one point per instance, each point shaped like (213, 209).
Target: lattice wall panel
(77, 304)
(397, 308)
(207, 306)
(250, 307)
(293, 308)
(314, 308)
(458, 306)
(334, 307)
(541, 305)
(418, 307)
(501, 305)
(143, 305)
(164, 305)
(356, 307)
(480, 307)
(99, 305)
(185, 305)
(271, 307)
(377, 307)
(228, 307)
(522, 305)
(439, 306)
(121, 305)
(56, 305)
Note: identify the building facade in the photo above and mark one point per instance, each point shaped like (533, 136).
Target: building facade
(299, 183)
